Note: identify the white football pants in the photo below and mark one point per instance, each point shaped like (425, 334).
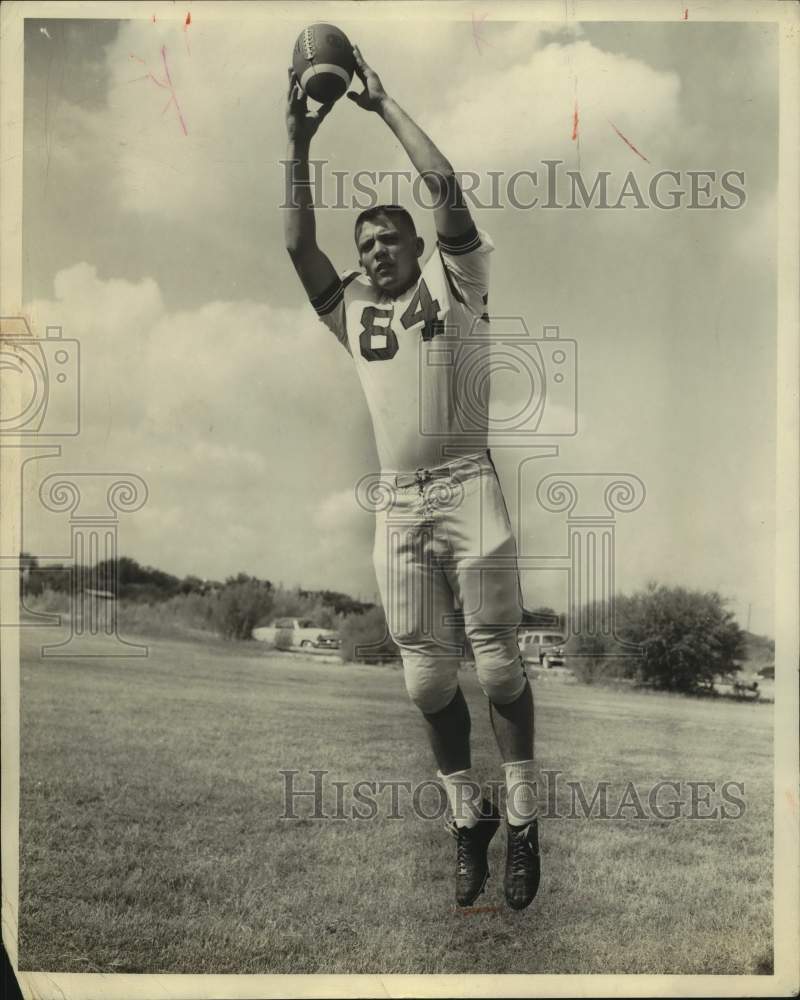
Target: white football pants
(443, 541)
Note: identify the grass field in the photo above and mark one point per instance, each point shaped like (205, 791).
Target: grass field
(151, 837)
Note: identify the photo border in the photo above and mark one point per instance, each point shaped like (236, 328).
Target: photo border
(786, 883)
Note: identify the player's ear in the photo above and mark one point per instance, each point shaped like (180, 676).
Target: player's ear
(420, 246)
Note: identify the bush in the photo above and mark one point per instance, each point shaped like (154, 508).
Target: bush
(239, 607)
(593, 660)
(161, 618)
(601, 669)
(283, 638)
(366, 638)
(47, 600)
(232, 609)
(687, 639)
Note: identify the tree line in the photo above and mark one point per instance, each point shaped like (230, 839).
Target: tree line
(232, 607)
(672, 638)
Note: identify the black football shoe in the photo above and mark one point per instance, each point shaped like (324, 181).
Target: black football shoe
(523, 865)
(472, 848)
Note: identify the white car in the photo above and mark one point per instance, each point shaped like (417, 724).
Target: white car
(544, 648)
(302, 632)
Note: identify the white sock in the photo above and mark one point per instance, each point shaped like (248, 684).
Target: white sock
(464, 796)
(522, 804)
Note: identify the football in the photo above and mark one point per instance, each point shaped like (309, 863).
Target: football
(323, 61)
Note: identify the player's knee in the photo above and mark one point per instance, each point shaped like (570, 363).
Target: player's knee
(428, 692)
(503, 680)
(504, 692)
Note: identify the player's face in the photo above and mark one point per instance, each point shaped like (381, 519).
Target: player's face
(389, 255)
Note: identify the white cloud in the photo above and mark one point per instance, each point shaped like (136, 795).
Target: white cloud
(525, 114)
(504, 100)
(181, 110)
(219, 409)
(338, 511)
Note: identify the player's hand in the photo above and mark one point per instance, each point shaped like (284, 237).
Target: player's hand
(373, 95)
(302, 124)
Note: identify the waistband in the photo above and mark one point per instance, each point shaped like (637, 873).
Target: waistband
(462, 468)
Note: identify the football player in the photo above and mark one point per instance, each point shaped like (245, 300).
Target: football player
(443, 539)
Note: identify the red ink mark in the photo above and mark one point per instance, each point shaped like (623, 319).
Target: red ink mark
(476, 28)
(132, 56)
(576, 135)
(686, 14)
(628, 142)
(172, 91)
(166, 84)
(186, 24)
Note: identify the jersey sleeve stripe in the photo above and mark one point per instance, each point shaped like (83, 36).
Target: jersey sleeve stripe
(328, 300)
(458, 245)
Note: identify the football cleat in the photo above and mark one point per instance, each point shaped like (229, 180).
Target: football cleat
(472, 848)
(523, 865)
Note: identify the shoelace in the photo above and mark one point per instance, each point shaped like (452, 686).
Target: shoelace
(463, 857)
(520, 852)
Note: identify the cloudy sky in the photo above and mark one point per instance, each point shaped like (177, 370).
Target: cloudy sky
(152, 234)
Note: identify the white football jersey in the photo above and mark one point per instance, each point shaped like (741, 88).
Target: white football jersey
(422, 358)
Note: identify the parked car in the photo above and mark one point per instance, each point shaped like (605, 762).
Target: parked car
(746, 690)
(328, 640)
(301, 632)
(545, 648)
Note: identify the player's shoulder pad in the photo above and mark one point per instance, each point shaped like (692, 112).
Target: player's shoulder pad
(357, 284)
(331, 297)
(351, 275)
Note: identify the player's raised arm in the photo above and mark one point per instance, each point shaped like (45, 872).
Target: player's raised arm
(313, 267)
(452, 216)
